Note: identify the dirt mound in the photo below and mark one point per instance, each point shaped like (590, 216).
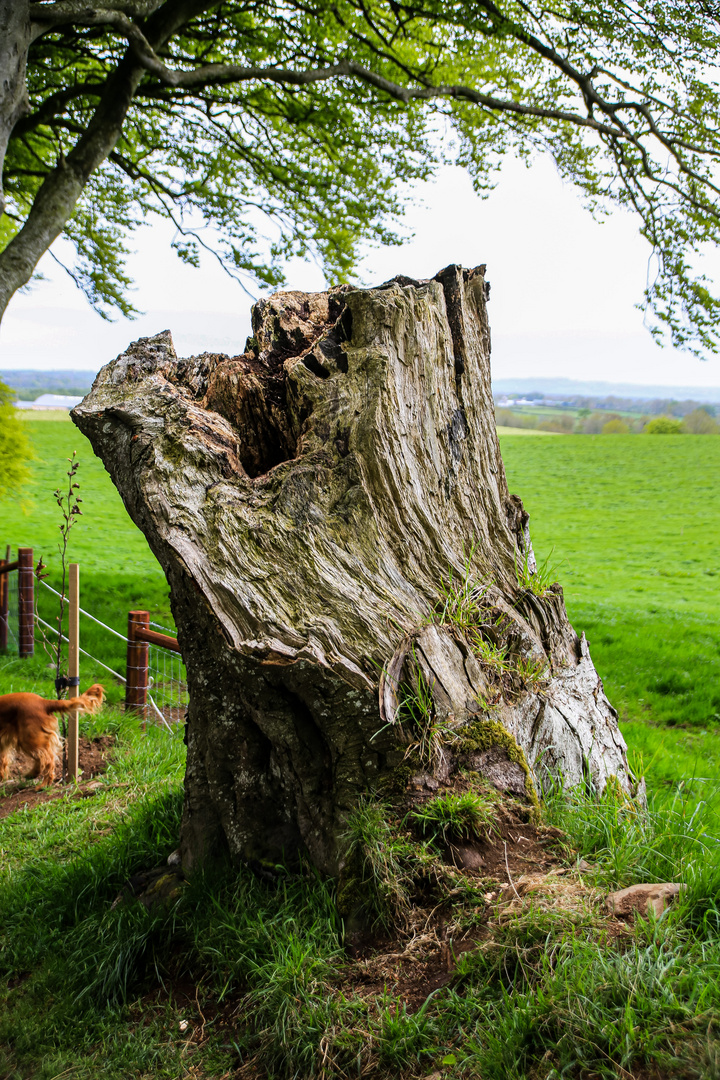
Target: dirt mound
(18, 793)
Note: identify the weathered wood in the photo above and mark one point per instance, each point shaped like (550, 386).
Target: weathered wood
(26, 603)
(153, 638)
(308, 501)
(5, 567)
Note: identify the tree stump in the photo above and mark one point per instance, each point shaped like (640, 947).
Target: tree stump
(353, 586)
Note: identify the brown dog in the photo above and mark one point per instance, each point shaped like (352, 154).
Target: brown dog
(27, 723)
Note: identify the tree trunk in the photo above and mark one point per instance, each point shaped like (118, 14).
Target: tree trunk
(61, 190)
(351, 580)
(15, 38)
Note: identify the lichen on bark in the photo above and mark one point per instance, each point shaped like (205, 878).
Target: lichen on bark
(306, 500)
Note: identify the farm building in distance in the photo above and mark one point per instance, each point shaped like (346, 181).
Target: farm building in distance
(50, 401)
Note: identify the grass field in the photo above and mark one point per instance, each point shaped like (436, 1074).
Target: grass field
(524, 431)
(247, 979)
(39, 415)
(631, 524)
(118, 572)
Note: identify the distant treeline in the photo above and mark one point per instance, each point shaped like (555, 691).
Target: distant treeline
(613, 403)
(29, 385)
(701, 421)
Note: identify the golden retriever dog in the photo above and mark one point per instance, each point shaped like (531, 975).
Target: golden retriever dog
(27, 723)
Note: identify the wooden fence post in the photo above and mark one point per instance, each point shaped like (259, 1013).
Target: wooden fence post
(137, 663)
(73, 667)
(4, 603)
(26, 602)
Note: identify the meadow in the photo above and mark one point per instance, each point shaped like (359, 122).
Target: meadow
(630, 525)
(247, 978)
(118, 572)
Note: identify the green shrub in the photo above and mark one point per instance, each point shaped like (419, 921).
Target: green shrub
(615, 427)
(507, 418)
(699, 422)
(561, 425)
(663, 425)
(15, 450)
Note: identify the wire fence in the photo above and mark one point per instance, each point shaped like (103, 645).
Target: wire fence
(165, 676)
(10, 618)
(167, 680)
(155, 676)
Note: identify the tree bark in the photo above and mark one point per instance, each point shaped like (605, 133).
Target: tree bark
(349, 574)
(15, 38)
(61, 190)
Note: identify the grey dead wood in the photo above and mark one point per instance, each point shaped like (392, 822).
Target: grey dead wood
(306, 500)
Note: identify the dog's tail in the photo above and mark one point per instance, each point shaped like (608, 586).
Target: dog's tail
(89, 702)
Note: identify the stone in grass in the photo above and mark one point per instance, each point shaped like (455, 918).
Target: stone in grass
(643, 898)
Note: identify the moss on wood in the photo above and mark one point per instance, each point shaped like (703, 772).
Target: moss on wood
(486, 733)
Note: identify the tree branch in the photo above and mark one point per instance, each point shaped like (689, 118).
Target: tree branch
(63, 12)
(54, 104)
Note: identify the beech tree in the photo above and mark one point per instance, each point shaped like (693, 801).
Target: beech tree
(265, 128)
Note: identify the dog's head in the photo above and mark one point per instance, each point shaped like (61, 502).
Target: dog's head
(94, 697)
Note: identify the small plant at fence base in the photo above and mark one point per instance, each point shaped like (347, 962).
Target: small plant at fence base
(68, 502)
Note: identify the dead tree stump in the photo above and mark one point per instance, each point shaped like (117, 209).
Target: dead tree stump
(351, 581)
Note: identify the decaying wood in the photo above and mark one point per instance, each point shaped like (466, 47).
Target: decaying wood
(309, 501)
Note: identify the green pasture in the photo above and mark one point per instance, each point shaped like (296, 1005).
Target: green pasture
(34, 415)
(524, 431)
(244, 977)
(118, 572)
(631, 524)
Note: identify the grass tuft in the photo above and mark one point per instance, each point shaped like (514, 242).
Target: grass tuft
(455, 816)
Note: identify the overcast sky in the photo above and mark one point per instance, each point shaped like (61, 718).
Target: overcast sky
(564, 288)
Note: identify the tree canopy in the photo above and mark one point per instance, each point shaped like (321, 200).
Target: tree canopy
(265, 128)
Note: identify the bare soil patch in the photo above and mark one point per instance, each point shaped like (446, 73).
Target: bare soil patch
(515, 864)
(18, 793)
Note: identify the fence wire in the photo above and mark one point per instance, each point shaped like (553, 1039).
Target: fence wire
(11, 619)
(167, 692)
(167, 680)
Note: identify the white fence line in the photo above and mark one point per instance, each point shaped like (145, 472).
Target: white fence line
(89, 655)
(158, 679)
(87, 613)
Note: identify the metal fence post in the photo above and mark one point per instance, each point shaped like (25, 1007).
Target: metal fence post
(26, 602)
